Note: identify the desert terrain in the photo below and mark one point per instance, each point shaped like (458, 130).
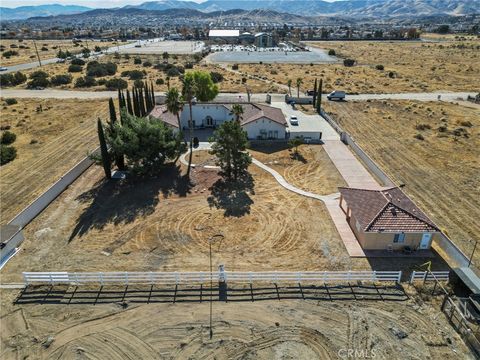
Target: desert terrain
(440, 172)
(268, 329)
(52, 136)
(47, 49)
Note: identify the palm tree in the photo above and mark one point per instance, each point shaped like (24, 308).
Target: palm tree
(289, 84)
(237, 111)
(188, 92)
(174, 104)
(299, 83)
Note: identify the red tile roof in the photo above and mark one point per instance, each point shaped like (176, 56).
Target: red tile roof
(388, 210)
(251, 112)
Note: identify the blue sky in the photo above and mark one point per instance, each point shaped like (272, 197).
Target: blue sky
(89, 3)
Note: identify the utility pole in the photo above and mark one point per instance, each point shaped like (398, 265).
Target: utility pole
(36, 50)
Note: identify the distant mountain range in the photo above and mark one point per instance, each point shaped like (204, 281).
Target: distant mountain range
(25, 12)
(309, 8)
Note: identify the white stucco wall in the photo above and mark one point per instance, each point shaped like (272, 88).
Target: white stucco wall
(219, 114)
(254, 129)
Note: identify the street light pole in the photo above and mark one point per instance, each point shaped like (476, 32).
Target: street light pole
(473, 252)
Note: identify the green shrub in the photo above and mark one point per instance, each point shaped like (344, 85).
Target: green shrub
(8, 54)
(61, 79)
(466, 123)
(147, 64)
(160, 82)
(331, 52)
(348, 62)
(78, 61)
(7, 154)
(173, 72)
(11, 101)
(96, 69)
(8, 138)
(138, 83)
(189, 65)
(136, 75)
(379, 67)
(419, 137)
(38, 79)
(216, 77)
(235, 67)
(75, 68)
(85, 81)
(115, 84)
(137, 61)
(422, 127)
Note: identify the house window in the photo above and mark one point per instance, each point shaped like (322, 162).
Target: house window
(270, 134)
(399, 238)
(275, 134)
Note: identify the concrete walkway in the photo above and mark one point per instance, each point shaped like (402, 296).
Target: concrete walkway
(351, 169)
(331, 203)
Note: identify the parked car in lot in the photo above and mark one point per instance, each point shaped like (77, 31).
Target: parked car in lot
(60, 61)
(3, 68)
(336, 95)
(293, 120)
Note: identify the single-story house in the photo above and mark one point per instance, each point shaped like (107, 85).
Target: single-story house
(260, 121)
(386, 219)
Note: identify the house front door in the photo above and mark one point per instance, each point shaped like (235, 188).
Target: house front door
(426, 240)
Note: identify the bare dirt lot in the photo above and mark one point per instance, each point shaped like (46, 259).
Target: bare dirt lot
(52, 136)
(408, 66)
(441, 172)
(47, 49)
(271, 329)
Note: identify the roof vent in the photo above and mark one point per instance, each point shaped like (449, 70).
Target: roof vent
(394, 212)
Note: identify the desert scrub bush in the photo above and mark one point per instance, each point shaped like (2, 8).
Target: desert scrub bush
(11, 101)
(85, 81)
(466, 123)
(379, 67)
(460, 132)
(348, 62)
(419, 137)
(137, 61)
(33, 141)
(96, 69)
(147, 64)
(189, 65)
(7, 154)
(133, 74)
(38, 79)
(75, 68)
(442, 129)
(216, 77)
(138, 84)
(12, 79)
(61, 79)
(8, 54)
(78, 61)
(422, 127)
(115, 84)
(235, 67)
(160, 81)
(8, 138)
(273, 72)
(331, 52)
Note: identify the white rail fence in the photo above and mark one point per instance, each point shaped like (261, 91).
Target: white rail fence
(129, 278)
(429, 276)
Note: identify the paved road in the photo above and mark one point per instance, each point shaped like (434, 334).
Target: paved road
(260, 97)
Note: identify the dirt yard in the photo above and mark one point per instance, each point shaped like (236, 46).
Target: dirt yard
(47, 49)
(271, 329)
(441, 172)
(408, 67)
(52, 136)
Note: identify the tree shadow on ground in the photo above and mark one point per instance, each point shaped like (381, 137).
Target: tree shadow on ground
(295, 155)
(232, 196)
(122, 201)
(270, 147)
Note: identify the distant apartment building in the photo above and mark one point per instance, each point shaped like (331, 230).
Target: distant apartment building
(264, 40)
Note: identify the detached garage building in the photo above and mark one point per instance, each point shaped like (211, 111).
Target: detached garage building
(261, 122)
(386, 219)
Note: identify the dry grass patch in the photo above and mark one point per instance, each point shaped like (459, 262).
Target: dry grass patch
(52, 136)
(27, 54)
(441, 172)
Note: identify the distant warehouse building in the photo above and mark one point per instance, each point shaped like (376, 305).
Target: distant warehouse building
(264, 40)
(224, 36)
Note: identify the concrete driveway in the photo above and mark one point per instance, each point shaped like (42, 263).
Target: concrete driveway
(308, 125)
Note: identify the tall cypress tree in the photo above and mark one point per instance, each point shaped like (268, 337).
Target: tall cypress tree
(147, 98)
(107, 166)
(319, 99)
(113, 114)
(142, 102)
(153, 95)
(119, 99)
(314, 94)
(129, 103)
(135, 102)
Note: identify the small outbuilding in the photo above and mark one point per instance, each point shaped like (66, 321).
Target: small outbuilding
(386, 219)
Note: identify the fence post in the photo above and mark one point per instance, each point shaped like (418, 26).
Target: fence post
(101, 278)
(250, 277)
(25, 278)
(126, 277)
(177, 278)
(374, 275)
(150, 276)
(412, 277)
(425, 276)
(399, 278)
(51, 278)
